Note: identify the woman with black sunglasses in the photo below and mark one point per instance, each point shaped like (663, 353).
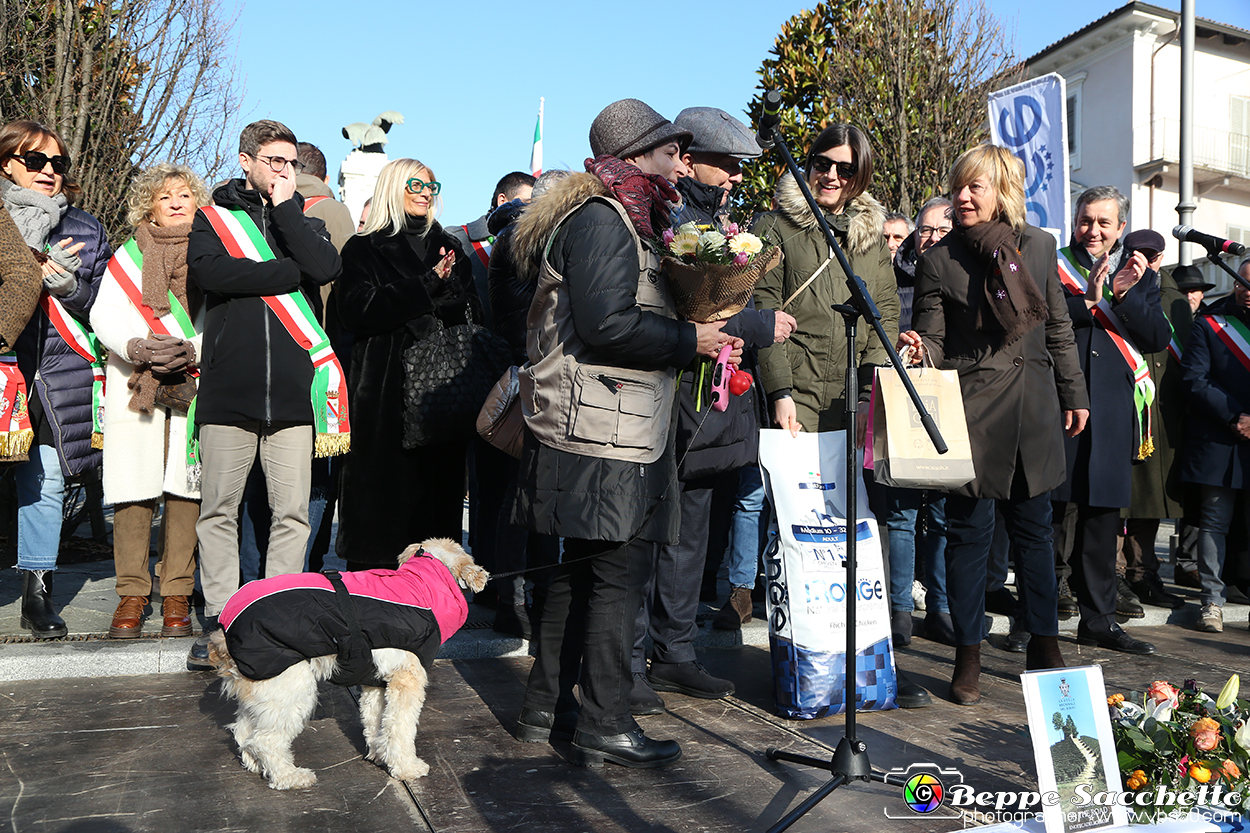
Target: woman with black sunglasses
(805, 376)
(39, 190)
(402, 277)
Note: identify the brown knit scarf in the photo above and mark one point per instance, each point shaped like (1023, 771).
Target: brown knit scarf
(1012, 302)
(164, 268)
(644, 196)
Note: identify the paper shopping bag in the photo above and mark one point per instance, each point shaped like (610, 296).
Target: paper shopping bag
(903, 455)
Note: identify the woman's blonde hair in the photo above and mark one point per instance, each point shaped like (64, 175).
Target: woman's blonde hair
(150, 184)
(1005, 172)
(387, 212)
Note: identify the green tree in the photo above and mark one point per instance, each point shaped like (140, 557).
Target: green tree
(913, 74)
(126, 82)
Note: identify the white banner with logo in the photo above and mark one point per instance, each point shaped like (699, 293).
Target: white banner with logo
(1031, 120)
(805, 563)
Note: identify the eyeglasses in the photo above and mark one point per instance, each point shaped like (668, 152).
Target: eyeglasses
(933, 231)
(823, 164)
(277, 163)
(36, 161)
(416, 186)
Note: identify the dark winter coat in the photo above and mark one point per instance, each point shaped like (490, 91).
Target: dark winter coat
(577, 495)
(478, 232)
(1100, 458)
(1218, 385)
(251, 369)
(63, 382)
(510, 296)
(811, 364)
(905, 260)
(1158, 491)
(1014, 395)
(389, 297)
(709, 441)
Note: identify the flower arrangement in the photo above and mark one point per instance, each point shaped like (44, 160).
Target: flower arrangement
(1180, 748)
(714, 271)
(691, 244)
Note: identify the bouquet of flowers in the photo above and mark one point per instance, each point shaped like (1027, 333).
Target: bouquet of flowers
(713, 273)
(1180, 748)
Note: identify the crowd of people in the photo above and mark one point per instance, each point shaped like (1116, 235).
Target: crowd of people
(243, 358)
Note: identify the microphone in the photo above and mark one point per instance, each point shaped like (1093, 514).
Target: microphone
(1208, 241)
(770, 117)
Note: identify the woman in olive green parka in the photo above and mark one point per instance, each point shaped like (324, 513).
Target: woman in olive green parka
(804, 377)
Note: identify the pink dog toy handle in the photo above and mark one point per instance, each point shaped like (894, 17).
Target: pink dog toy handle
(720, 378)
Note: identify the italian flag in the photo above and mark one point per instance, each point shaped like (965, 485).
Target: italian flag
(536, 156)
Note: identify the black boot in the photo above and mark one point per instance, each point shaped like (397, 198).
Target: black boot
(37, 613)
(966, 681)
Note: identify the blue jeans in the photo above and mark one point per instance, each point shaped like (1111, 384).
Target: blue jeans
(902, 510)
(40, 509)
(748, 529)
(1220, 504)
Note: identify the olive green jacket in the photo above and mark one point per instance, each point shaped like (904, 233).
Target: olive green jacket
(811, 364)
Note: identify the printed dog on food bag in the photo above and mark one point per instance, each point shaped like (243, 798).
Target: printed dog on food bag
(379, 629)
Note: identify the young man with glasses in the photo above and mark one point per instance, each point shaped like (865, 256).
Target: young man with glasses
(254, 257)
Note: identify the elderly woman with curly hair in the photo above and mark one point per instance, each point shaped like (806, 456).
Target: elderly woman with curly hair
(38, 189)
(989, 305)
(144, 314)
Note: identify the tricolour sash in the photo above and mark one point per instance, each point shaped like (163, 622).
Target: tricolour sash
(311, 201)
(1073, 276)
(83, 342)
(242, 239)
(480, 247)
(126, 268)
(16, 434)
(1234, 334)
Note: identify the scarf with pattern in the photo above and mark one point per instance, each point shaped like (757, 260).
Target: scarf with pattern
(1012, 302)
(644, 196)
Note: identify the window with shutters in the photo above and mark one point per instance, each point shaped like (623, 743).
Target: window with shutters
(1239, 134)
(1239, 234)
(1074, 124)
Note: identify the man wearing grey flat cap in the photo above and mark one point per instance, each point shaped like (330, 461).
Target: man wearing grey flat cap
(711, 445)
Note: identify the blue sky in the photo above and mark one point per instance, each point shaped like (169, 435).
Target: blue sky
(468, 76)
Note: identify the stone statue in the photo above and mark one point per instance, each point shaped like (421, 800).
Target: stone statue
(371, 137)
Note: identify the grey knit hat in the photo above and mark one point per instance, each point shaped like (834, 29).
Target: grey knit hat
(628, 128)
(715, 131)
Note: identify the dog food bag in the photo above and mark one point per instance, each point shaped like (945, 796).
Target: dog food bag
(805, 563)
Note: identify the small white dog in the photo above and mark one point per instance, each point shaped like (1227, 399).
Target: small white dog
(336, 621)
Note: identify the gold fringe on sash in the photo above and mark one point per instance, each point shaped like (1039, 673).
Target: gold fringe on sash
(332, 445)
(97, 439)
(1147, 448)
(16, 443)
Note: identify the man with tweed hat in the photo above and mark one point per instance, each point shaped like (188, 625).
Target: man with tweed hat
(711, 445)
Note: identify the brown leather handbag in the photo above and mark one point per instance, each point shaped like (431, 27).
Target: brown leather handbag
(176, 390)
(500, 421)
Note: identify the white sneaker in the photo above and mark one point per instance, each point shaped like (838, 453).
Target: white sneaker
(1211, 619)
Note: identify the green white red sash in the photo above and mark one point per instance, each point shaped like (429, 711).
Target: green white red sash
(242, 239)
(83, 342)
(1073, 276)
(1234, 334)
(16, 434)
(481, 247)
(126, 268)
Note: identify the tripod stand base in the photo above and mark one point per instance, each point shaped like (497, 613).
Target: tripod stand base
(849, 763)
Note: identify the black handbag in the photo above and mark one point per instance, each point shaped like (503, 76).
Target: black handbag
(447, 376)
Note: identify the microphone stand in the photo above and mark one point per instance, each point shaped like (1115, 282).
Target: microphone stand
(850, 759)
(1213, 255)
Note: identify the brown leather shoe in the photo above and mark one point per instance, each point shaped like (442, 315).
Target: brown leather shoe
(128, 618)
(965, 684)
(177, 613)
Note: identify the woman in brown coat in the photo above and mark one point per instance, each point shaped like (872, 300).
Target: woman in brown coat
(20, 282)
(989, 304)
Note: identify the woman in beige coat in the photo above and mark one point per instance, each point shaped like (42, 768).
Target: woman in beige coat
(145, 443)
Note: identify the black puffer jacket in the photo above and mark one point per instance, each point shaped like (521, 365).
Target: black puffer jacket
(510, 296)
(709, 441)
(251, 369)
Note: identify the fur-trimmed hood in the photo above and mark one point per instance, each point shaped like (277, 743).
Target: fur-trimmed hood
(865, 216)
(540, 218)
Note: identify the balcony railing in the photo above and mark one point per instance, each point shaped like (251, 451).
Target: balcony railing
(1215, 150)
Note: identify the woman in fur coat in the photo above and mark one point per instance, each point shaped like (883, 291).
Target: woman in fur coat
(804, 377)
(401, 275)
(151, 341)
(38, 190)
